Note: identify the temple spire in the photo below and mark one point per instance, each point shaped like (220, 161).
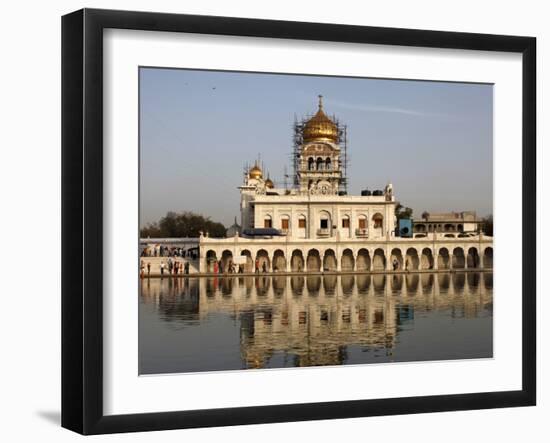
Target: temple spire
(320, 102)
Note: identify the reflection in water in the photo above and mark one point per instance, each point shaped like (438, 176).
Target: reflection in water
(210, 323)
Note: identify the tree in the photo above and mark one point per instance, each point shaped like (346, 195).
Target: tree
(403, 212)
(184, 224)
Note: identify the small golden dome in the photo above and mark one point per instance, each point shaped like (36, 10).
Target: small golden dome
(269, 183)
(255, 172)
(320, 127)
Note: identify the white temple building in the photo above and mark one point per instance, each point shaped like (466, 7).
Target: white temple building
(315, 226)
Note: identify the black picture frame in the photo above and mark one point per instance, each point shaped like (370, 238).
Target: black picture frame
(82, 218)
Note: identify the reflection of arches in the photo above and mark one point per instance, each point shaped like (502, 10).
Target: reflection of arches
(313, 283)
(297, 261)
(458, 258)
(297, 284)
(363, 283)
(329, 283)
(262, 286)
(459, 281)
(411, 281)
(329, 260)
(488, 258)
(443, 259)
(426, 259)
(488, 280)
(473, 279)
(210, 259)
(249, 265)
(396, 259)
(379, 260)
(396, 282)
(313, 261)
(279, 261)
(263, 258)
(444, 282)
(472, 260)
(347, 284)
(347, 261)
(226, 286)
(379, 283)
(363, 260)
(227, 259)
(427, 282)
(411, 259)
(279, 285)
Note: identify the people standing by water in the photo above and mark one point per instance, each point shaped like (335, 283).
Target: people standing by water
(264, 267)
(176, 267)
(186, 267)
(148, 269)
(141, 269)
(257, 266)
(220, 267)
(170, 266)
(162, 269)
(215, 267)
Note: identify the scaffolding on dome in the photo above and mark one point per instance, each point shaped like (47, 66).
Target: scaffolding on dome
(297, 142)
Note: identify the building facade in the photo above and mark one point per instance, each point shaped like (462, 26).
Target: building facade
(314, 225)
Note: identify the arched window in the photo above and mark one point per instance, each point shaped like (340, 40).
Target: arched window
(302, 222)
(324, 220)
(378, 220)
(362, 222)
(310, 164)
(328, 164)
(345, 222)
(268, 222)
(285, 222)
(320, 164)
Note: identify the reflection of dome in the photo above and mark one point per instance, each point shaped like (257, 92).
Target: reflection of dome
(269, 183)
(255, 172)
(320, 127)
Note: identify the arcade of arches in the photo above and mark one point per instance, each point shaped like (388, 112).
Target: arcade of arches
(349, 260)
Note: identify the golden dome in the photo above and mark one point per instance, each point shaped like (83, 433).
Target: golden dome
(255, 172)
(320, 127)
(269, 183)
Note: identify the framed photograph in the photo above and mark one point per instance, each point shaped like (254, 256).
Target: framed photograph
(269, 221)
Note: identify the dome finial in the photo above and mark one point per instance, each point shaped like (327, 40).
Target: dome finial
(320, 102)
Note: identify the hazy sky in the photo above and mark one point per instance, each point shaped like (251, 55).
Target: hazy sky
(432, 140)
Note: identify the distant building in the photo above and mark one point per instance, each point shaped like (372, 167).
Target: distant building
(448, 222)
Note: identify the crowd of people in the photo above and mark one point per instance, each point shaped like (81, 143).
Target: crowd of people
(173, 267)
(231, 268)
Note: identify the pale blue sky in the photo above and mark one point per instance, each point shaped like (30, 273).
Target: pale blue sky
(432, 140)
